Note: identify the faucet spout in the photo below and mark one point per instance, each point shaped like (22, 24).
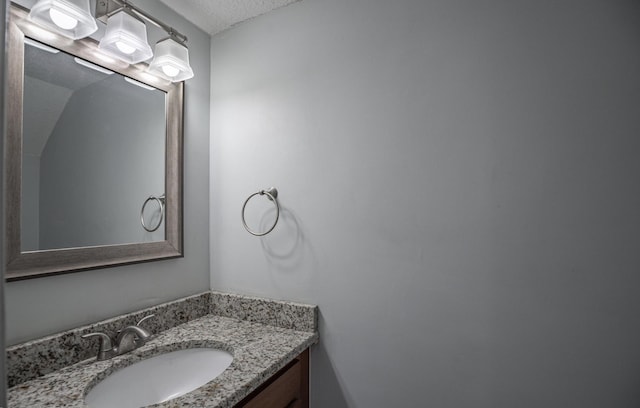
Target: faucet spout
(130, 338)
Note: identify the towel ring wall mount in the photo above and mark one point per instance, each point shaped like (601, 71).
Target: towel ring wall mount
(272, 195)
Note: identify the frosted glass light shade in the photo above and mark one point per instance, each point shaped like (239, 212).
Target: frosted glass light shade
(171, 61)
(126, 39)
(70, 18)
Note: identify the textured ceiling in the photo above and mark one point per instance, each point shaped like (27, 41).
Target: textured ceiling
(214, 16)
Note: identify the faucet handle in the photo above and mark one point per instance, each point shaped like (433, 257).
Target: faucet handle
(106, 346)
(140, 332)
(145, 318)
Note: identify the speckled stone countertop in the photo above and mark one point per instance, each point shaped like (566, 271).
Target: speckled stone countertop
(259, 351)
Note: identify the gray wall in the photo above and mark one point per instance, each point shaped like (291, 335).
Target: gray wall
(96, 173)
(45, 305)
(459, 182)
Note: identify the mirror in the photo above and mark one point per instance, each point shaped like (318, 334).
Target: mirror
(94, 157)
(92, 153)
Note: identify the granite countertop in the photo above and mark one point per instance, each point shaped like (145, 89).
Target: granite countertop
(259, 351)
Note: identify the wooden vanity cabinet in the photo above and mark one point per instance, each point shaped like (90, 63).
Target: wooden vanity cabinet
(288, 388)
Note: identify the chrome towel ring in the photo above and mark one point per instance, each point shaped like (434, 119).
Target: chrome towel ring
(272, 194)
(160, 201)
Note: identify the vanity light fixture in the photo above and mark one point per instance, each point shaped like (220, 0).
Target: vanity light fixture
(171, 60)
(70, 18)
(126, 38)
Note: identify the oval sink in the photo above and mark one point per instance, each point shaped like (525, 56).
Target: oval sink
(159, 378)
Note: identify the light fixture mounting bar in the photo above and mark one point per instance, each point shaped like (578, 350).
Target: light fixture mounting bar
(105, 8)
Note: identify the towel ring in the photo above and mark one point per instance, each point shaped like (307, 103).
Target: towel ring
(160, 201)
(272, 194)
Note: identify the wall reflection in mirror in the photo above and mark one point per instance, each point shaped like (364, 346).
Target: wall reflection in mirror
(93, 152)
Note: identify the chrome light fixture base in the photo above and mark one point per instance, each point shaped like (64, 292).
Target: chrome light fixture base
(105, 8)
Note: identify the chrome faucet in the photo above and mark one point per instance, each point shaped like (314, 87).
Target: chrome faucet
(128, 339)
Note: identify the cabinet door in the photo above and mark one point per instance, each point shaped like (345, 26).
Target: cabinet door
(289, 388)
(283, 392)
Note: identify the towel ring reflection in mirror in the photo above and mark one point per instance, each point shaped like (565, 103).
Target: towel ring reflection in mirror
(272, 194)
(160, 201)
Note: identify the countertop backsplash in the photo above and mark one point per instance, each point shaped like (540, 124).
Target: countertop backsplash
(32, 359)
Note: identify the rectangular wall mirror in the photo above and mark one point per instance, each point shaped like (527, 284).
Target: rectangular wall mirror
(94, 157)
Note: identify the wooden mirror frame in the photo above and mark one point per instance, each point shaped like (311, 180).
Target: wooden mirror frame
(33, 264)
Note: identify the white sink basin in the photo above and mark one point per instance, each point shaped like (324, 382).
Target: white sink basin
(159, 378)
